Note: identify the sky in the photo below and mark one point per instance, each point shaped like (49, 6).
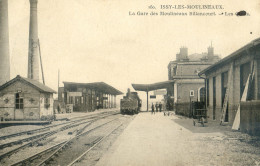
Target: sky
(92, 41)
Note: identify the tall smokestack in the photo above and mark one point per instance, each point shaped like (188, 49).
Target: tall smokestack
(4, 43)
(33, 57)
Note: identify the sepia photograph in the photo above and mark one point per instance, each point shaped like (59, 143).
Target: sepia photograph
(129, 83)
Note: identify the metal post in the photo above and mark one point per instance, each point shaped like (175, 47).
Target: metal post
(147, 99)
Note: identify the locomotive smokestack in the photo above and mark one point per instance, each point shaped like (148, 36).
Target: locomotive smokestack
(4, 43)
(33, 56)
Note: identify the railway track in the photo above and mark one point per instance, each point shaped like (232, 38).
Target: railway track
(49, 127)
(70, 125)
(42, 136)
(94, 145)
(46, 155)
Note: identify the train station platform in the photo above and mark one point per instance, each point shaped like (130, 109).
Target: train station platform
(150, 140)
(158, 140)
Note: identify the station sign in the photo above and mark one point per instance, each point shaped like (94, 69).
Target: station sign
(160, 92)
(152, 96)
(75, 93)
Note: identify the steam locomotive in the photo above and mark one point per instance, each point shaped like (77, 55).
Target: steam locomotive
(131, 103)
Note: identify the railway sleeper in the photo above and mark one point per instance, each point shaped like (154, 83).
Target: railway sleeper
(72, 132)
(44, 142)
(33, 132)
(93, 140)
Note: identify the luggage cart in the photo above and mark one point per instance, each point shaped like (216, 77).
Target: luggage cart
(200, 116)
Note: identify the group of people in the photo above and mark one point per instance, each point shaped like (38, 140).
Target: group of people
(158, 107)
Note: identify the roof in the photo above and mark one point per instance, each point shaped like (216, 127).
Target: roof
(151, 87)
(231, 56)
(186, 77)
(191, 63)
(36, 84)
(101, 86)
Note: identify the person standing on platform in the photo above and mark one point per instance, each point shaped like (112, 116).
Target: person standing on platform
(156, 106)
(152, 108)
(160, 107)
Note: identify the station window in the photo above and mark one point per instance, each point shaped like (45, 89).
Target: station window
(77, 100)
(207, 89)
(46, 102)
(18, 101)
(191, 93)
(82, 100)
(70, 100)
(224, 85)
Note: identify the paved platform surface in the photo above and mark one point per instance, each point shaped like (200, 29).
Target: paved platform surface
(157, 140)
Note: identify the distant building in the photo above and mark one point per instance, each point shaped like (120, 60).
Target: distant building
(25, 99)
(233, 72)
(86, 97)
(188, 86)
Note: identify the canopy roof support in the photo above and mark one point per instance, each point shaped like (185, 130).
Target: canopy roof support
(151, 87)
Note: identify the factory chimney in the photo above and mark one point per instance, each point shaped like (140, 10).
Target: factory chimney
(33, 56)
(4, 43)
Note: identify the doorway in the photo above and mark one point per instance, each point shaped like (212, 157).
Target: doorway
(19, 105)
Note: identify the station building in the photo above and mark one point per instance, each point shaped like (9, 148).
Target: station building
(87, 97)
(187, 86)
(25, 99)
(235, 75)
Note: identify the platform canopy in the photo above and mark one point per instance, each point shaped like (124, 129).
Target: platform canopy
(154, 86)
(100, 86)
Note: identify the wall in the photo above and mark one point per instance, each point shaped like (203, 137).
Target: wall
(46, 111)
(182, 106)
(183, 94)
(31, 107)
(250, 117)
(190, 69)
(32, 100)
(7, 109)
(234, 95)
